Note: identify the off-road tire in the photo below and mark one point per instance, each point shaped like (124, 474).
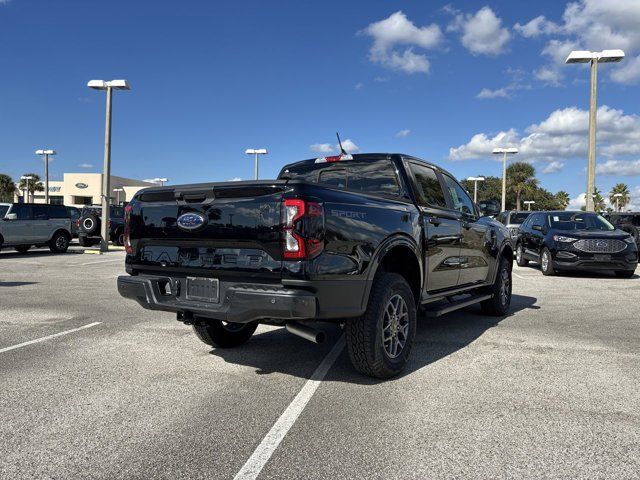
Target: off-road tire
(520, 260)
(625, 273)
(22, 248)
(118, 237)
(59, 243)
(500, 303)
(364, 335)
(548, 270)
(218, 334)
(90, 224)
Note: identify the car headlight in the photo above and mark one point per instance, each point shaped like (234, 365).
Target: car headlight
(629, 240)
(563, 239)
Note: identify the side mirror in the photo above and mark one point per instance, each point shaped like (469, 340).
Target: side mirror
(11, 216)
(539, 228)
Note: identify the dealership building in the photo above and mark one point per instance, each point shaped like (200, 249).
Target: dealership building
(78, 189)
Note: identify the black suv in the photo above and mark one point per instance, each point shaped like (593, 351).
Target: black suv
(627, 221)
(569, 240)
(89, 225)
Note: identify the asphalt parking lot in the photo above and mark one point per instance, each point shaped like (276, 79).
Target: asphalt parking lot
(115, 391)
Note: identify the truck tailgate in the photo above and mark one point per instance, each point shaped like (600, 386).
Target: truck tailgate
(231, 228)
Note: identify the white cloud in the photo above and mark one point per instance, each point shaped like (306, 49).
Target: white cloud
(553, 167)
(562, 135)
(576, 203)
(486, 93)
(548, 75)
(349, 146)
(358, 85)
(85, 165)
(629, 72)
(619, 167)
(396, 31)
(235, 179)
(536, 27)
(321, 148)
(482, 32)
(593, 25)
(403, 133)
(4, 2)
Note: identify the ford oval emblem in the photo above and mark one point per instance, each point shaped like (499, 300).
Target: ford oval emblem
(190, 221)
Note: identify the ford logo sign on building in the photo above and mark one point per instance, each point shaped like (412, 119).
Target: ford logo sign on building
(190, 221)
(81, 185)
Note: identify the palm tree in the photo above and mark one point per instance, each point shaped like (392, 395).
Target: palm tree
(35, 184)
(7, 188)
(621, 201)
(598, 201)
(521, 179)
(563, 199)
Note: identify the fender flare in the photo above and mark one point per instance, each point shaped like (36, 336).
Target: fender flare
(390, 242)
(506, 243)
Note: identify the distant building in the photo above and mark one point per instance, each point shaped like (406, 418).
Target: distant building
(78, 189)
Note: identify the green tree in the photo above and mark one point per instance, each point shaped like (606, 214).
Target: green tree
(623, 200)
(563, 199)
(521, 180)
(598, 201)
(7, 187)
(490, 189)
(35, 184)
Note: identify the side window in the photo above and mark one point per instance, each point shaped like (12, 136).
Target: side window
(376, 177)
(58, 211)
(502, 218)
(40, 212)
(428, 186)
(74, 214)
(459, 197)
(336, 178)
(22, 211)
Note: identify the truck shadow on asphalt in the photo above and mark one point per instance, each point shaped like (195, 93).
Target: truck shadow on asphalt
(277, 351)
(602, 274)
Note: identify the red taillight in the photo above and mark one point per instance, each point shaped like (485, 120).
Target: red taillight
(127, 228)
(78, 223)
(302, 229)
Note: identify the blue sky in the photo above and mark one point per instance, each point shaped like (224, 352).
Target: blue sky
(445, 81)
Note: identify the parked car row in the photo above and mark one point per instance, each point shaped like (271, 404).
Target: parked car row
(24, 225)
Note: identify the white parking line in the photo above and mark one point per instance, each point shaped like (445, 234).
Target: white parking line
(262, 454)
(111, 260)
(48, 337)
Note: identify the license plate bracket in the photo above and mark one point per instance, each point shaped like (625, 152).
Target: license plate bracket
(602, 258)
(203, 289)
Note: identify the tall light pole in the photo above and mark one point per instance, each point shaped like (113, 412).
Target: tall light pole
(528, 203)
(45, 154)
(27, 178)
(617, 197)
(585, 56)
(118, 190)
(256, 152)
(475, 181)
(109, 86)
(504, 152)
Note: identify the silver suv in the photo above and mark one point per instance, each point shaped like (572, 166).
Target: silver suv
(23, 225)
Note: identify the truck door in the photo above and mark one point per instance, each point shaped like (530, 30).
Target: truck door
(41, 223)
(441, 230)
(20, 229)
(476, 240)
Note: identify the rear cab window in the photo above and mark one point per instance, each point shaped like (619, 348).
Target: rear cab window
(428, 188)
(376, 176)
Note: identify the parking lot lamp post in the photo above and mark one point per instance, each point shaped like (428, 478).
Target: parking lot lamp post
(118, 190)
(475, 181)
(504, 152)
(256, 152)
(617, 197)
(45, 154)
(585, 56)
(27, 178)
(109, 86)
(528, 203)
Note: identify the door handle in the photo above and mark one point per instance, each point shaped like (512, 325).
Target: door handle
(435, 221)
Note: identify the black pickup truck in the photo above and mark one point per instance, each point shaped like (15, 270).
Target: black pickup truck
(365, 241)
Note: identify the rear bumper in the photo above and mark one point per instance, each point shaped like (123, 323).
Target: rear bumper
(239, 303)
